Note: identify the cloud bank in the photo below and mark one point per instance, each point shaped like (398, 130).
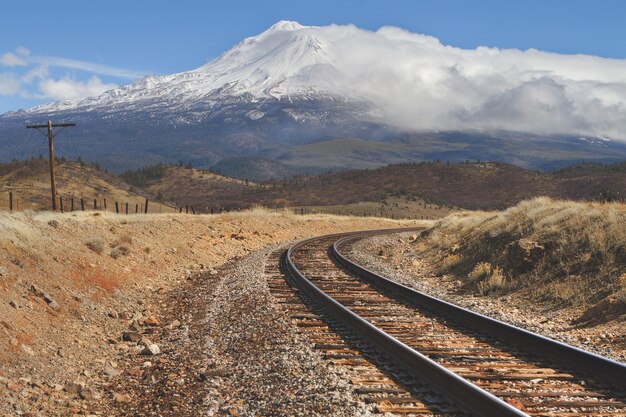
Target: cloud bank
(69, 89)
(420, 83)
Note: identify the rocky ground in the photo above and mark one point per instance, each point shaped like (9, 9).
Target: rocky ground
(99, 314)
(395, 256)
(227, 348)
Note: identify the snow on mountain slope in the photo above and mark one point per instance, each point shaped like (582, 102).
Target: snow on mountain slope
(409, 81)
(288, 60)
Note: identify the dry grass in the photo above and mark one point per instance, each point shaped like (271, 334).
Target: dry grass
(494, 281)
(480, 271)
(565, 252)
(96, 245)
(31, 189)
(448, 263)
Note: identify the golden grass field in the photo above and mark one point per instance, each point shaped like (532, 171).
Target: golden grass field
(569, 253)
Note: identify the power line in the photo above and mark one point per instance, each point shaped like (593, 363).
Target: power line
(50, 135)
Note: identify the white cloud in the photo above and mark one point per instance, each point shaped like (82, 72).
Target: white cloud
(67, 88)
(90, 67)
(35, 72)
(52, 84)
(10, 59)
(23, 57)
(9, 84)
(22, 51)
(419, 83)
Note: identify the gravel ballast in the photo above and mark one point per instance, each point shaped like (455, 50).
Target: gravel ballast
(235, 352)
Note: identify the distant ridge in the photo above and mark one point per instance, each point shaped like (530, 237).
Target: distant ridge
(476, 186)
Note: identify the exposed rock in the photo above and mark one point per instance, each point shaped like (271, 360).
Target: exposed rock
(121, 398)
(131, 337)
(38, 292)
(72, 388)
(51, 302)
(609, 308)
(3, 271)
(110, 371)
(151, 321)
(89, 394)
(151, 350)
(27, 349)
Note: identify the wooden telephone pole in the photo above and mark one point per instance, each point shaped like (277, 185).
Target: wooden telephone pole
(50, 135)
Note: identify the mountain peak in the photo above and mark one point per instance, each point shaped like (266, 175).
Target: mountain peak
(286, 25)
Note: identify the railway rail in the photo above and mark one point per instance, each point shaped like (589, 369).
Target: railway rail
(420, 355)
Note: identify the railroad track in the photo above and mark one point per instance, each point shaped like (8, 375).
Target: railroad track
(422, 356)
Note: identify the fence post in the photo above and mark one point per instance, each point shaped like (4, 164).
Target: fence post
(192, 210)
(72, 204)
(186, 209)
(61, 202)
(11, 200)
(180, 210)
(145, 210)
(105, 204)
(117, 207)
(95, 204)
(82, 204)
(136, 208)
(127, 207)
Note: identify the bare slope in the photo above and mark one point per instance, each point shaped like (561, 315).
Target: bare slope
(29, 181)
(72, 284)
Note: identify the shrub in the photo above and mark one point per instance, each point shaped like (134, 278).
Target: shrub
(96, 245)
(447, 263)
(120, 251)
(496, 281)
(480, 271)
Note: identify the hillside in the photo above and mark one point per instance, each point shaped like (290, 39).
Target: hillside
(67, 299)
(425, 189)
(557, 267)
(29, 181)
(468, 185)
(258, 169)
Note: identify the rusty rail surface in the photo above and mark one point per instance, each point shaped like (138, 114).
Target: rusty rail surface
(485, 375)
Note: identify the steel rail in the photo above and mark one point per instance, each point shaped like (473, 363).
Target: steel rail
(596, 366)
(469, 396)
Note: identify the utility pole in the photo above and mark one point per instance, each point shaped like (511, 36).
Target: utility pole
(50, 135)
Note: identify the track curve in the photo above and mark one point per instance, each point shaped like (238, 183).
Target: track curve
(487, 367)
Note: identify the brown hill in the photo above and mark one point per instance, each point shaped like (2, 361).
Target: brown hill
(29, 181)
(428, 189)
(468, 185)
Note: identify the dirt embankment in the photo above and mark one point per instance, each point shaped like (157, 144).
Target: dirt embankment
(551, 266)
(77, 290)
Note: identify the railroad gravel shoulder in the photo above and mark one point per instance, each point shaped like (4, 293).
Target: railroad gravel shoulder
(81, 290)
(230, 349)
(390, 256)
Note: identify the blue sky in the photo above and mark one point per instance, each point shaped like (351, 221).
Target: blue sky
(64, 49)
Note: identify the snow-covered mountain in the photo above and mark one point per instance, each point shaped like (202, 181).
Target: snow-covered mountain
(287, 62)
(294, 86)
